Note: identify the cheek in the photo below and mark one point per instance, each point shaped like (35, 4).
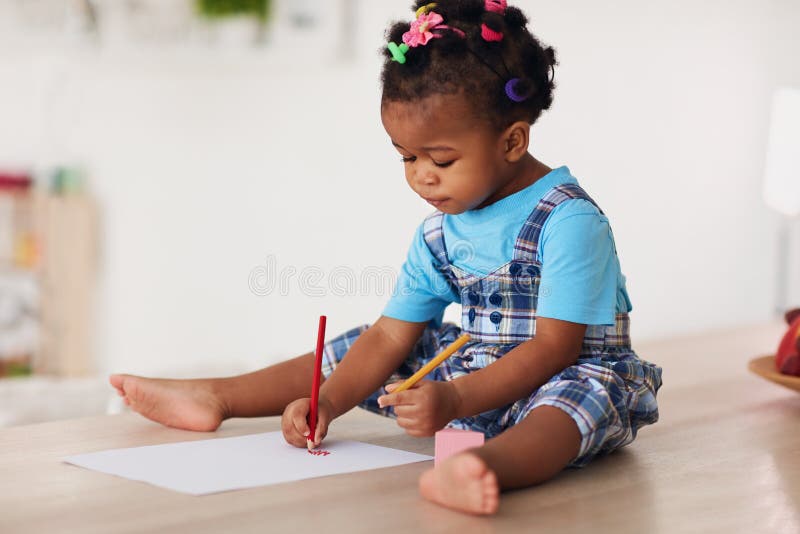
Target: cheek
(476, 177)
(487, 174)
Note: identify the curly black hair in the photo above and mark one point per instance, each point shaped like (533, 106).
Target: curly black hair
(469, 65)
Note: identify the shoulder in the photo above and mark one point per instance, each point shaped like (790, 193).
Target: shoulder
(431, 225)
(561, 193)
(427, 239)
(579, 225)
(575, 207)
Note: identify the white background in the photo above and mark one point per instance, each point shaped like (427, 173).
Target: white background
(207, 162)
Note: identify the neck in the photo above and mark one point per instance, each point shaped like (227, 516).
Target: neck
(524, 173)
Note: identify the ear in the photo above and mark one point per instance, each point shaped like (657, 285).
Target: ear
(515, 140)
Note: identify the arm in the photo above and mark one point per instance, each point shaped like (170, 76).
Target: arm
(430, 405)
(522, 370)
(374, 356)
(580, 267)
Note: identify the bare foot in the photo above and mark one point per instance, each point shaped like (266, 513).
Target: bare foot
(463, 482)
(186, 404)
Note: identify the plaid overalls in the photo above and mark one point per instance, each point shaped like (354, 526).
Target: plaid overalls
(609, 391)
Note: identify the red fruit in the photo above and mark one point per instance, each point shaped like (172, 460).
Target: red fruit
(787, 360)
(791, 365)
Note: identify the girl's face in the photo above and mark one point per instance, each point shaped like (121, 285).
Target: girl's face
(452, 159)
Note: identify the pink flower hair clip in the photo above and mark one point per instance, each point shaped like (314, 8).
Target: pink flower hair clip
(499, 8)
(421, 32)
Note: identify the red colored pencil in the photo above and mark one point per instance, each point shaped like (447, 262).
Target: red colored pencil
(312, 416)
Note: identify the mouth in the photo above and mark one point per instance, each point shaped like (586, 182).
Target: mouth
(435, 202)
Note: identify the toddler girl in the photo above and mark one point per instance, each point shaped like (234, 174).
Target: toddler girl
(549, 375)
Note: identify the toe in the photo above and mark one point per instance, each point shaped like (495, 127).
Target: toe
(116, 380)
(491, 493)
(427, 483)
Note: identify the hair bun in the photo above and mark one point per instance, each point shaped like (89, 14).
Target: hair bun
(515, 18)
(470, 10)
(494, 21)
(550, 52)
(504, 82)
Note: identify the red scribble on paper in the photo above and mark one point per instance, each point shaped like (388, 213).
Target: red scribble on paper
(317, 452)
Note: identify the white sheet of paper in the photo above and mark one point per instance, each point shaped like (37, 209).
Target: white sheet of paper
(223, 464)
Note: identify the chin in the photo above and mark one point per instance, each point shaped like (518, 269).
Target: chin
(451, 210)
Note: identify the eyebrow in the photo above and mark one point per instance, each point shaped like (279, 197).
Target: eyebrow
(430, 148)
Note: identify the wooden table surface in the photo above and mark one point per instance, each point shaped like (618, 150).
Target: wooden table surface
(725, 457)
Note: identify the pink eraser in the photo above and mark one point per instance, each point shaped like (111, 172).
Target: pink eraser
(450, 441)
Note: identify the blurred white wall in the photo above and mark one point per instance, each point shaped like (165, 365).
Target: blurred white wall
(211, 166)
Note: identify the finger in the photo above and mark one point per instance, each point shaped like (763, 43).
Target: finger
(293, 438)
(116, 380)
(298, 440)
(289, 424)
(322, 431)
(318, 435)
(407, 422)
(290, 432)
(405, 411)
(288, 429)
(395, 399)
(391, 387)
(394, 385)
(301, 425)
(411, 426)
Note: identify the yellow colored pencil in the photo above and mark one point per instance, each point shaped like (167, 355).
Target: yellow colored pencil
(431, 365)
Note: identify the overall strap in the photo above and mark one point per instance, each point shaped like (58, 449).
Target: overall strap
(527, 244)
(433, 233)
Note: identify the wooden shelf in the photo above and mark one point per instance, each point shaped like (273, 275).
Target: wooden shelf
(61, 265)
(68, 225)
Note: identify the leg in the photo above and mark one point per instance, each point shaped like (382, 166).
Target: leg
(202, 404)
(530, 452)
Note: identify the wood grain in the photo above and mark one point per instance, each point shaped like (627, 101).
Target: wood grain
(725, 457)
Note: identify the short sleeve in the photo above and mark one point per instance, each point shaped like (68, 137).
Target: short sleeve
(422, 292)
(580, 269)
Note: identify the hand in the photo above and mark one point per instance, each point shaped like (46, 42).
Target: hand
(294, 422)
(425, 408)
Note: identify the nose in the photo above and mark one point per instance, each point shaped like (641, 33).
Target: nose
(425, 176)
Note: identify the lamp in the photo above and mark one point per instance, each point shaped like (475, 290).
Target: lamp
(782, 175)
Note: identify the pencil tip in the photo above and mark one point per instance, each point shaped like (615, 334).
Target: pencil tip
(309, 444)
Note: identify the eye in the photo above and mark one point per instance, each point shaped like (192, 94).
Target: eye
(409, 159)
(445, 164)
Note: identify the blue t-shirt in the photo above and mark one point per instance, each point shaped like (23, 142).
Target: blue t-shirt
(581, 280)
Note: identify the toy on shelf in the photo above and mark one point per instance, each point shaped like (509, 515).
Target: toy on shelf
(787, 359)
(48, 233)
(19, 285)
